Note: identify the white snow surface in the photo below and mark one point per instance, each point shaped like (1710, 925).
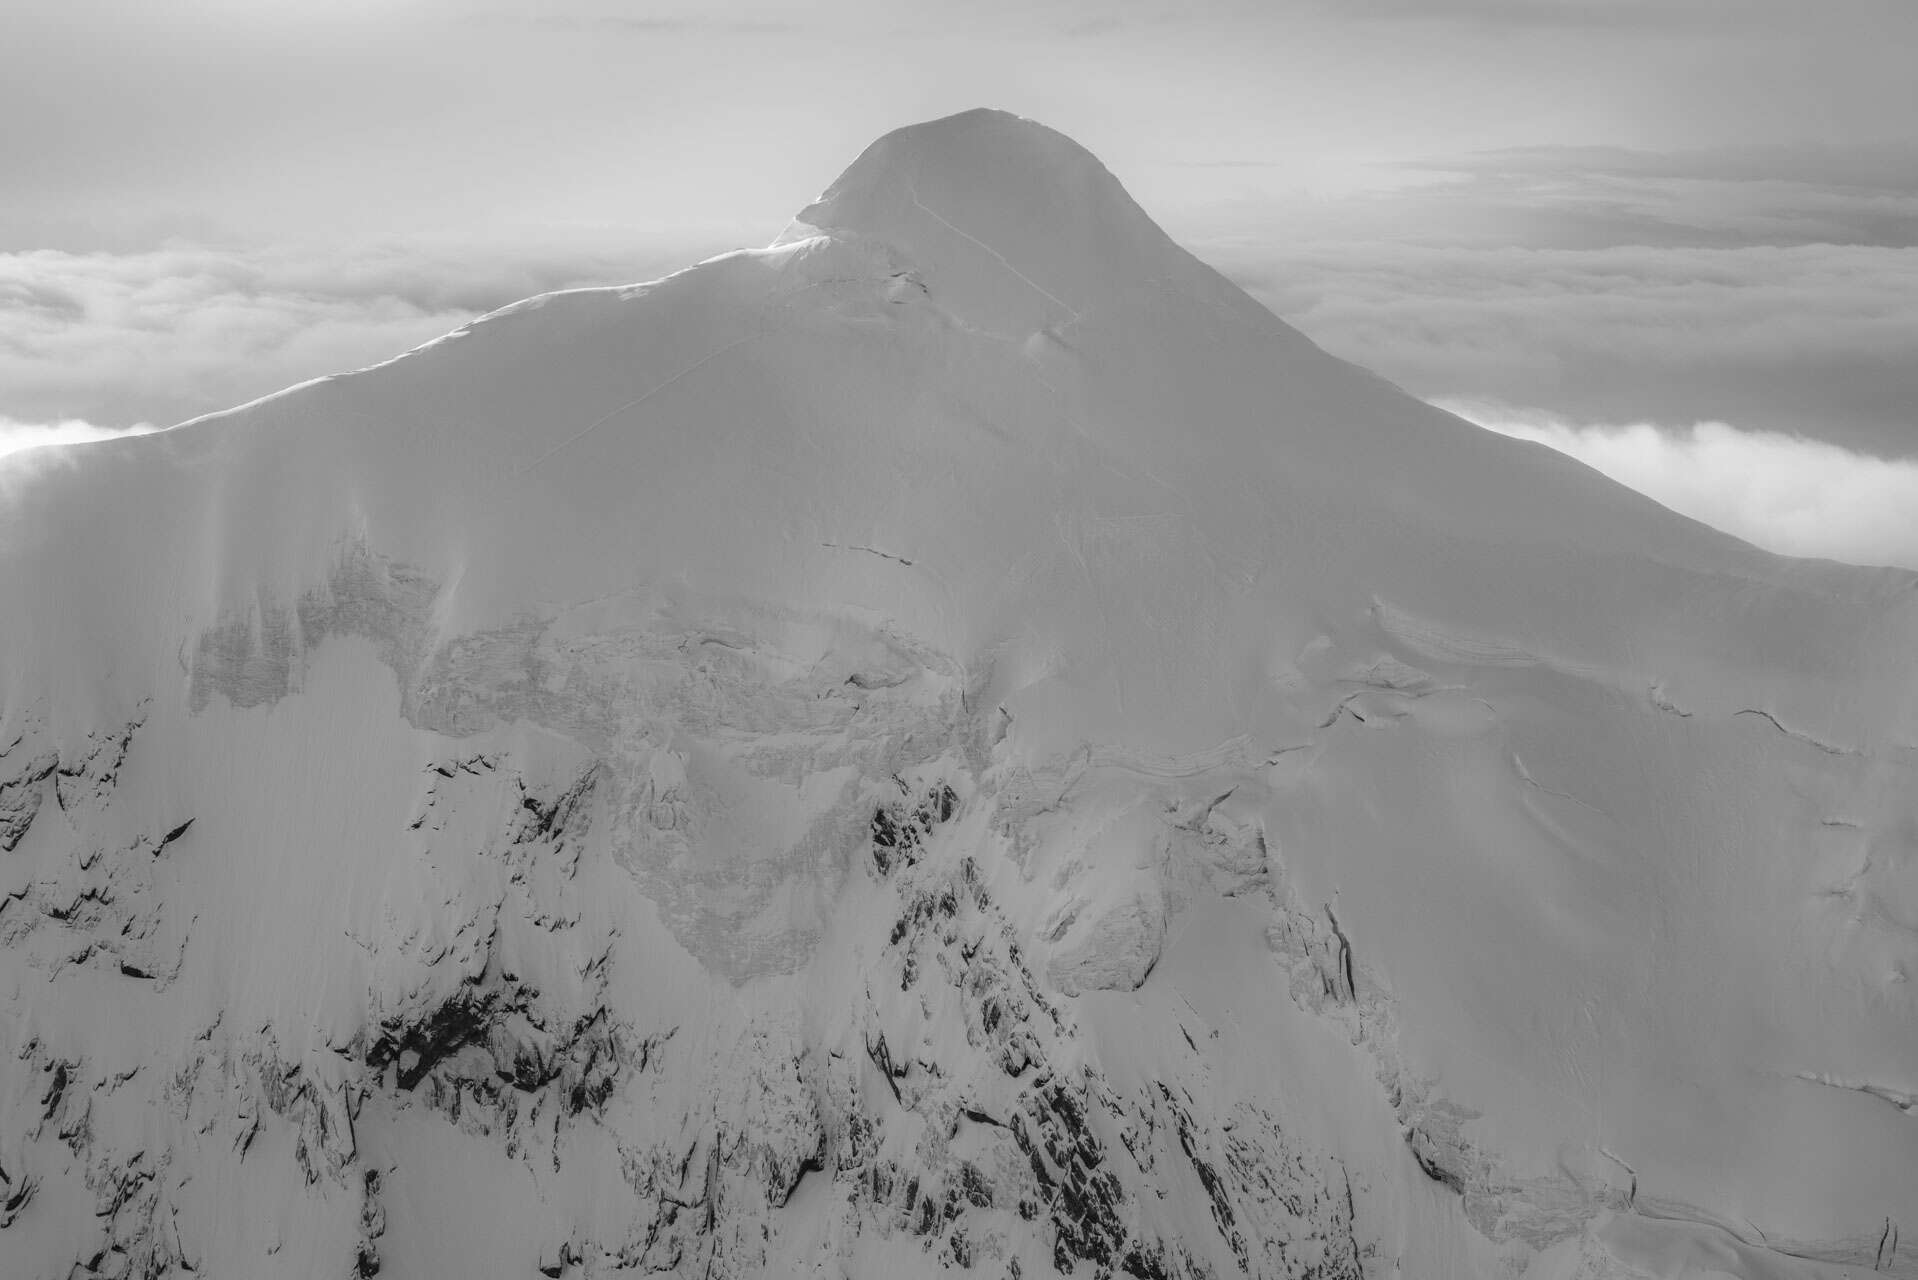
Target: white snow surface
(955, 741)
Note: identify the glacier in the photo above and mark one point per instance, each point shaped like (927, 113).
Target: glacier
(955, 742)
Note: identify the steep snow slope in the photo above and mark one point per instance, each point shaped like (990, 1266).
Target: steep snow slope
(955, 740)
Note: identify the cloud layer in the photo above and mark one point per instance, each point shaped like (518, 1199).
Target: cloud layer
(1784, 493)
(1818, 340)
(165, 334)
(15, 436)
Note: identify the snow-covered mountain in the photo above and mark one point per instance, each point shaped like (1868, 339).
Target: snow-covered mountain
(957, 740)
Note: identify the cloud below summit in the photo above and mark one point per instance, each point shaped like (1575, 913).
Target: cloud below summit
(1813, 340)
(16, 436)
(166, 334)
(1783, 493)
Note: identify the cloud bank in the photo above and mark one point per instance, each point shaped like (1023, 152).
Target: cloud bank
(15, 436)
(1818, 340)
(164, 334)
(1774, 286)
(1784, 493)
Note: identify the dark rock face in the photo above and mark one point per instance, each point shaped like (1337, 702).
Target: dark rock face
(1072, 1157)
(998, 1149)
(899, 830)
(27, 759)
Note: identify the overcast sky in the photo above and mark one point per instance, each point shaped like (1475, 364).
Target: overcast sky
(1594, 222)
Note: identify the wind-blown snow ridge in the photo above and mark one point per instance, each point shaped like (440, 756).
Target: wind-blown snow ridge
(1008, 760)
(638, 400)
(998, 257)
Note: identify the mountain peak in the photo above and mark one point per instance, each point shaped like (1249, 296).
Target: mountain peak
(1011, 215)
(904, 684)
(996, 152)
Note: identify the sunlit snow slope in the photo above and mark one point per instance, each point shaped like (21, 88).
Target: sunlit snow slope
(955, 741)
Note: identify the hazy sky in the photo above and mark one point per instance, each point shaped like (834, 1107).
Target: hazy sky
(1604, 221)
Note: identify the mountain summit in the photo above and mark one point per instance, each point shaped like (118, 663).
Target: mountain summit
(1004, 216)
(955, 741)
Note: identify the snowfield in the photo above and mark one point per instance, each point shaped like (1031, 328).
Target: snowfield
(956, 741)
